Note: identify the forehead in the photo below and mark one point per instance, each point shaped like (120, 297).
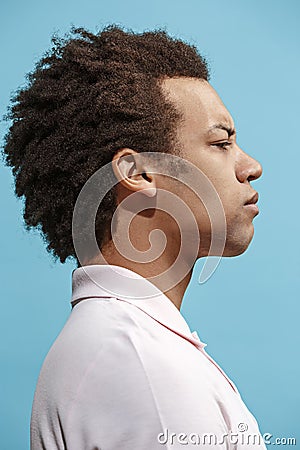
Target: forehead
(199, 102)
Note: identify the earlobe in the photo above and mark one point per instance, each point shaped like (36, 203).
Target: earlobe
(150, 192)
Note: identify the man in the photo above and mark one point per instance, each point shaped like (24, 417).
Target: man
(126, 371)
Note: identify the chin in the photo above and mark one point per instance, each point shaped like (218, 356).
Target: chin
(235, 251)
(237, 242)
(236, 245)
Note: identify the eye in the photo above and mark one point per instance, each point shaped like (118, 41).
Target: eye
(222, 145)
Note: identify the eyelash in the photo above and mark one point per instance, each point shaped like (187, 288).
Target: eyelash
(223, 145)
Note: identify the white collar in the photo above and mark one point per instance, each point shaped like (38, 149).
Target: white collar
(126, 285)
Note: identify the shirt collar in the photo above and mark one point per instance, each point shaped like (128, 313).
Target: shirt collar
(126, 285)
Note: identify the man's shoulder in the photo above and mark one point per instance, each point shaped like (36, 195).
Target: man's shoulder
(97, 333)
(104, 340)
(96, 323)
(96, 326)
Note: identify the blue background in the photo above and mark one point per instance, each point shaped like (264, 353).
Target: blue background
(248, 312)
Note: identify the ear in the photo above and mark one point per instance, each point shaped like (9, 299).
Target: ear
(131, 172)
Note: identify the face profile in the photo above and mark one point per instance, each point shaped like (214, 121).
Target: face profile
(208, 140)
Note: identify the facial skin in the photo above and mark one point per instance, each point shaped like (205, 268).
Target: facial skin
(208, 145)
(205, 143)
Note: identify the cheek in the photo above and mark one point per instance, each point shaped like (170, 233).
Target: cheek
(199, 211)
(221, 181)
(228, 189)
(233, 213)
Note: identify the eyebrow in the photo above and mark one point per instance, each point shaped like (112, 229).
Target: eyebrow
(221, 126)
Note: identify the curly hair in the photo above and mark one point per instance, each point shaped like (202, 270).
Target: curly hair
(87, 97)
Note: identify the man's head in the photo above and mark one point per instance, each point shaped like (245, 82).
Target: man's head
(207, 138)
(89, 96)
(96, 98)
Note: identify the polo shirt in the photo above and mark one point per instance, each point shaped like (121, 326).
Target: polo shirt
(127, 373)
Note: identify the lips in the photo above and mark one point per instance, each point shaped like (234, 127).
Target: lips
(253, 199)
(250, 204)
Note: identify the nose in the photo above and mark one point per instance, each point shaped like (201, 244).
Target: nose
(247, 168)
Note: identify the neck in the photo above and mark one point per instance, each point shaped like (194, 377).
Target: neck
(172, 279)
